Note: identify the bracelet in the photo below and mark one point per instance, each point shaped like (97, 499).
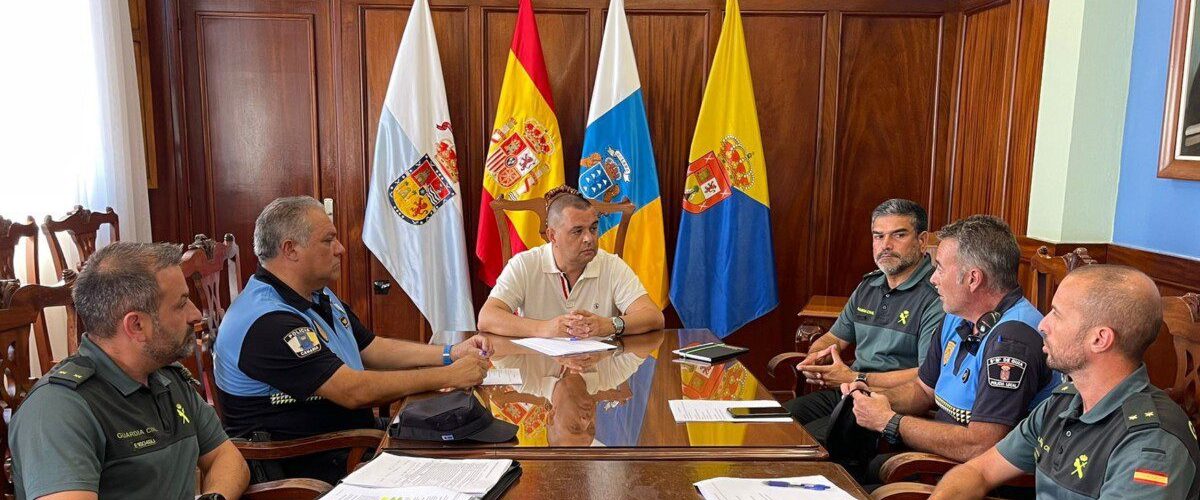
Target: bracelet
(446, 360)
(891, 432)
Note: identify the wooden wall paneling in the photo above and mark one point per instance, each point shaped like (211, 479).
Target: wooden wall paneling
(261, 109)
(888, 82)
(169, 217)
(1027, 85)
(982, 118)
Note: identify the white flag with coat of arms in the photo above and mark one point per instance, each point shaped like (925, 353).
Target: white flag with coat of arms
(414, 220)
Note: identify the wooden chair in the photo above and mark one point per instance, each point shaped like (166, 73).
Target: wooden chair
(816, 318)
(81, 225)
(203, 264)
(1181, 318)
(539, 207)
(1047, 271)
(11, 234)
(905, 491)
(287, 489)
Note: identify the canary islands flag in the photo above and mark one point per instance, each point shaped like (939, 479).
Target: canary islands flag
(724, 272)
(618, 161)
(525, 157)
(414, 219)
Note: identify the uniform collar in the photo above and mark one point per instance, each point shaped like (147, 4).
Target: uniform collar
(290, 297)
(1133, 384)
(592, 270)
(108, 370)
(924, 269)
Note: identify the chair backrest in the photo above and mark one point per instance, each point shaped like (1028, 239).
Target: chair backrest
(81, 225)
(15, 323)
(11, 234)
(1181, 318)
(202, 264)
(1047, 271)
(539, 207)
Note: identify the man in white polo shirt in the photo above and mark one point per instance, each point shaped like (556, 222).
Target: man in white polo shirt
(568, 287)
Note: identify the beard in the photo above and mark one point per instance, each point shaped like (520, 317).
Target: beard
(903, 262)
(1068, 359)
(164, 349)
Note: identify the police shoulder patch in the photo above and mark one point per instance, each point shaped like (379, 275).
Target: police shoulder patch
(1005, 372)
(302, 341)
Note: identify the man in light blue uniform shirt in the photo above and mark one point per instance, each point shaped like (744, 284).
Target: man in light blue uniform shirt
(1108, 433)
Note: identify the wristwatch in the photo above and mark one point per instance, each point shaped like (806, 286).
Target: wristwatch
(618, 325)
(861, 377)
(891, 432)
(211, 496)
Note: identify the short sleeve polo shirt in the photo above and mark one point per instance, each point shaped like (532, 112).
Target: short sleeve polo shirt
(532, 286)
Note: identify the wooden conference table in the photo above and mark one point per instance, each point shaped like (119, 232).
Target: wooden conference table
(613, 405)
(641, 480)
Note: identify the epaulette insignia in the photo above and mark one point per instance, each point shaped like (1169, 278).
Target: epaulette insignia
(70, 374)
(1139, 412)
(1066, 388)
(185, 373)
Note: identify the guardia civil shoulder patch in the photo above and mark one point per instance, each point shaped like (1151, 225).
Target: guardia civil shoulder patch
(303, 341)
(1005, 372)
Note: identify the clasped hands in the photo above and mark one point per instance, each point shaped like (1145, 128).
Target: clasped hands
(578, 324)
(825, 375)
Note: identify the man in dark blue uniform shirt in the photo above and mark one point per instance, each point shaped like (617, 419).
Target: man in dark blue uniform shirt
(1108, 433)
(985, 369)
(291, 360)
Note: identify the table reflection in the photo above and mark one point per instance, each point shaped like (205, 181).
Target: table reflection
(593, 399)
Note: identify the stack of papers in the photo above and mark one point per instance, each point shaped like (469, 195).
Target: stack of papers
(394, 476)
(805, 487)
(563, 345)
(700, 410)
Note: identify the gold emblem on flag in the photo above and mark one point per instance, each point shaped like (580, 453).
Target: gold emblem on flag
(520, 157)
(445, 154)
(420, 192)
(736, 160)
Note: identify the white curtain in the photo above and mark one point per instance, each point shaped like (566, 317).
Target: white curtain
(70, 121)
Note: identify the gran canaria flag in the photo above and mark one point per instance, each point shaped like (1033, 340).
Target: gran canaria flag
(724, 274)
(618, 161)
(414, 220)
(525, 157)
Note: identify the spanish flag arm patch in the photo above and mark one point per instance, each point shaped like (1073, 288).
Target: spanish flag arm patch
(1150, 477)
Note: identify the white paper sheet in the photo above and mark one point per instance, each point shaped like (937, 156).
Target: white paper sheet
(695, 410)
(474, 477)
(563, 345)
(350, 492)
(730, 488)
(502, 376)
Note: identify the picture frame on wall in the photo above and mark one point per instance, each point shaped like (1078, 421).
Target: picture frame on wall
(1179, 157)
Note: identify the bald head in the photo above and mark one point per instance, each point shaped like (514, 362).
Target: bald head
(1123, 299)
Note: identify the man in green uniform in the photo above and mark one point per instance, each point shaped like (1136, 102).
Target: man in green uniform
(889, 320)
(120, 419)
(1109, 433)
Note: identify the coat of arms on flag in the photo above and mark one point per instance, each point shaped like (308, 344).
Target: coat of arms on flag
(706, 185)
(517, 164)
(420, 191)
(599, 177)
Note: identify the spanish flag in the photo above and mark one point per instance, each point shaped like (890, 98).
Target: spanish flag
(618, 160)
(525, 156)
(724, 271)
